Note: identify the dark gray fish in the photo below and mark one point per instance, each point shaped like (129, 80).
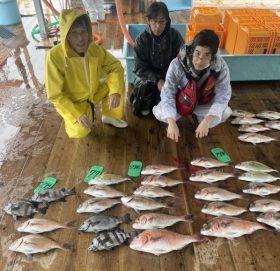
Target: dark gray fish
(24, 208)
(49, 195)
(98, 223)
(106, 240)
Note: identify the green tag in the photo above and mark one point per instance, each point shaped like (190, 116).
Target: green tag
(134, 169)
(221, 155)
(47, 183)
(93, 172)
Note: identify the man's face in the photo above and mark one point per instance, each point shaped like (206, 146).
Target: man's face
(78, 39)
(157, 24)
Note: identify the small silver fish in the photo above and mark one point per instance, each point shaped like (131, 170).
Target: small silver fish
(242, 113)
(49, 195)
(246, 120)
(261, 189)
(103, 191)
(217, 194)
(35, 243)
(254, 166)
(255, 138)
(222, 209)
(40, 225)
(265, 205)
(139, 203)
(271, 219)
(230, 227)
(96, 205)
(158, 221)
(98, 223)
(158, 169)
(274, 124)
(106, 240)
(24, 208)
(252, 128)
(268, 114)
(160, 181)
(108, 179)
(208, 162)
(210, 176)
(153, 192)
(258, 177)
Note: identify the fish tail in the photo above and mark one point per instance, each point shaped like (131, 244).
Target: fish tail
(126, 219)
(67, 247)
(245, 197)
(71, 191)
(200, 238)
(188, 218)
(43, 210)
(70, 224)
(133, 234)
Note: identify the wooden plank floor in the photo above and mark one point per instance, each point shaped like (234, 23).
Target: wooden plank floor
(50, 152)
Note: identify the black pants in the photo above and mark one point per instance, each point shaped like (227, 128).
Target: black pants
(144, 97)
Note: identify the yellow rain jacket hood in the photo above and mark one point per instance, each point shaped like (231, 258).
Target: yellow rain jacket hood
(73, 82)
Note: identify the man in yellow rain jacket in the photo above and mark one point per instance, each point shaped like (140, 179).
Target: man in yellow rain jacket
(74, 71)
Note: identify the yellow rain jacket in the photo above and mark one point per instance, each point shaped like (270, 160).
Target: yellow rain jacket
(73, 82)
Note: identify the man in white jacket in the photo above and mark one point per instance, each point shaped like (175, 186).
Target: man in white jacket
(198, 66)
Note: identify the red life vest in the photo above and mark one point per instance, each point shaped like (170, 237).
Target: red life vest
(188, 97)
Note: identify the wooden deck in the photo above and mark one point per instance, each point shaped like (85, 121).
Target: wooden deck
(41, 148)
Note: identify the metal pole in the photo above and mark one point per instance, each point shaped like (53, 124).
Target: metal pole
(41, 19)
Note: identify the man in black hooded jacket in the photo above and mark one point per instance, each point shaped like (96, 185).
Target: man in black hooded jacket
(154, 50)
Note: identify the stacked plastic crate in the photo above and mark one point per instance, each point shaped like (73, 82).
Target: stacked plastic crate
(252, 31)
(205, 18)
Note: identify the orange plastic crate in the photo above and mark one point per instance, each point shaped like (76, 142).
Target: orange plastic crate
(205, 15)
(232, 12)
(190, 34)
(232, 30)
(261, 12)
(253, 39)
(274, 47)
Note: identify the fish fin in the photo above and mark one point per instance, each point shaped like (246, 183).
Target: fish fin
(70, 224)
(126, 219)
(43, 210)
(67, 247)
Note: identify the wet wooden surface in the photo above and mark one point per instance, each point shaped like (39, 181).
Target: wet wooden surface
(51, 153)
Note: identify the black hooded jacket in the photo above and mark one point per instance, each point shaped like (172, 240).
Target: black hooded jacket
(154, 54)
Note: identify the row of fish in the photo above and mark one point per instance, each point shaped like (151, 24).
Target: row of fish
(27, 208)
(251, 125)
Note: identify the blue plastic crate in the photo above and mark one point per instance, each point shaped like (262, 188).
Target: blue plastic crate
(9, 13)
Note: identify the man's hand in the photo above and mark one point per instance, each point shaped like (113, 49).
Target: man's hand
(85, 121)
(203, 128)
(160, 84)
(173, 130)
(114, 100)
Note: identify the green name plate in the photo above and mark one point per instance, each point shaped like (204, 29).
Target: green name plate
(134, 169)
(221, 155)
(47, 183)
(93, 172)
